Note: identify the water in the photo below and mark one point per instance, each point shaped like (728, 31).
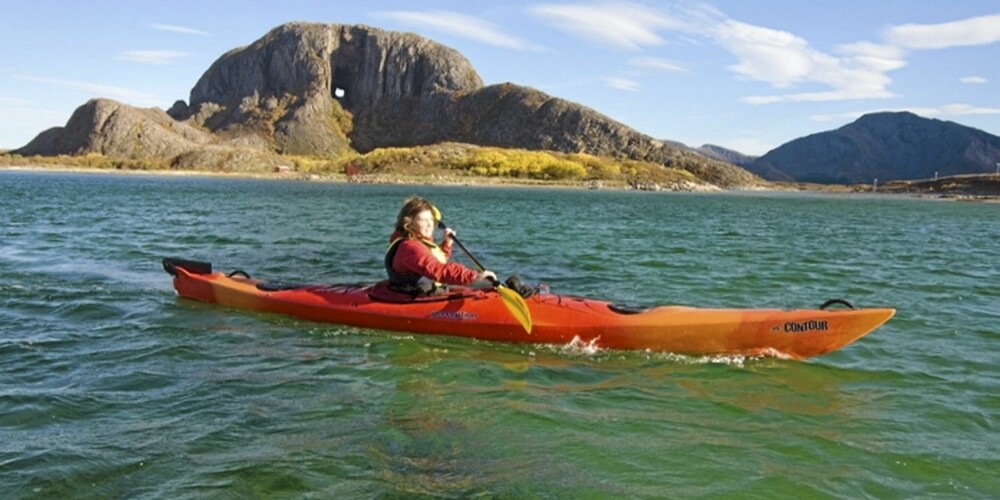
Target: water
(110, 386)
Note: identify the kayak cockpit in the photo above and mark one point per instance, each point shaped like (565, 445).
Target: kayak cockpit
(380, 292)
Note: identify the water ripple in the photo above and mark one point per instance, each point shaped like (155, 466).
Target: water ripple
(113, 387)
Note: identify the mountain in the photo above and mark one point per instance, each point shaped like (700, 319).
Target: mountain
(329, 89)
(117, 130)
(883, 146)
(727, 155)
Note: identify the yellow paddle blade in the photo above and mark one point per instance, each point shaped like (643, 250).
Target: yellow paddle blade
(436, 213)
(516, 305)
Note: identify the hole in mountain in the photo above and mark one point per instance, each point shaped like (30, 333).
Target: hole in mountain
(342, 86)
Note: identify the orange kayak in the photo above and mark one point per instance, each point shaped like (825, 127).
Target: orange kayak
(557, 319)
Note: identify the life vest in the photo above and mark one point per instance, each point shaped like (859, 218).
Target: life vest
(412, 283)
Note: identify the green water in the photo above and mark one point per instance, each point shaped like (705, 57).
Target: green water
(111, 386)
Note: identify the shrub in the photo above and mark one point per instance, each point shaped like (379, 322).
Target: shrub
(493, 162)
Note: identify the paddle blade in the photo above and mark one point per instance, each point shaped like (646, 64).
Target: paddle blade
(516, 305)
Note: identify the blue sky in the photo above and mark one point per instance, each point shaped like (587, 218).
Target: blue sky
(747, 75)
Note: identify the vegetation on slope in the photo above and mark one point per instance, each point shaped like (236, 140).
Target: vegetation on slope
(463, 160)
(448, 161)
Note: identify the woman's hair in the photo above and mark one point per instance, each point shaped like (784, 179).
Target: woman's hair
(412, 207)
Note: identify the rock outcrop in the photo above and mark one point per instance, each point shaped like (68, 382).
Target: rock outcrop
(319, 89)
(114, 129)
(884, 146)
(326, 89)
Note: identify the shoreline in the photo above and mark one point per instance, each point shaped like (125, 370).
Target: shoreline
(381, 179)
(505, 182)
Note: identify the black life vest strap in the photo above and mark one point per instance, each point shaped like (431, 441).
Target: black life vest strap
(408, 283)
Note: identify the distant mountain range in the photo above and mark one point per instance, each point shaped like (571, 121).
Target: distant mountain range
(728, 155)
(883, 146)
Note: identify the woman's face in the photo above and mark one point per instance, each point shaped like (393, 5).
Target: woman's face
(423, 224)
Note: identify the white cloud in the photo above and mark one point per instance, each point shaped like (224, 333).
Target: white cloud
(972, 79)
(960, 110)
(779, 58)
(17, 111)
(874, 57)
(622, 84)
(577, 82)
(855, 71)
(768, 55)
(973, 31)
(940, 111)
(623, 25)
(833, 95)
(20, 124)
(178, 29)
(129, 96)
(463, 26)
(657, 64)
(12, 101)
(784, 60)
(157, 57)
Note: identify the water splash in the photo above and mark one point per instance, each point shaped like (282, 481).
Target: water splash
(737, 360)
(578, 346)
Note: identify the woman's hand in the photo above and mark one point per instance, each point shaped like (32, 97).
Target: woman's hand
(486, 275)
(448, 234)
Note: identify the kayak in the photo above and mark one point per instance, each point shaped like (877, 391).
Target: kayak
(557, 319)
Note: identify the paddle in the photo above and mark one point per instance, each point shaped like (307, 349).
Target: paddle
(513, 300)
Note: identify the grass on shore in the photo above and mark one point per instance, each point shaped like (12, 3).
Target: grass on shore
(94, 161)
(464, 163)
(447, 160)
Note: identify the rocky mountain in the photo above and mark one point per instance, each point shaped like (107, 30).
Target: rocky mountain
(884, 146)
(727, 155)
(116, 130)
(329, 89)
(112, 128)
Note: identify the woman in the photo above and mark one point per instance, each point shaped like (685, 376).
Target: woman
(415, 263)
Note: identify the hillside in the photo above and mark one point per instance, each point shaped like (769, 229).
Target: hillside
(727, 155)
(884, 146)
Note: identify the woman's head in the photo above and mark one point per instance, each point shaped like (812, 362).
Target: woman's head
(416, 218)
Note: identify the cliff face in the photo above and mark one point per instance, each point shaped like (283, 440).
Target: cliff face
(319, 89)
(327, 89)
(373, 67)
(884, 146)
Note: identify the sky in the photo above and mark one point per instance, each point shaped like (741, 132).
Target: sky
(748, 75)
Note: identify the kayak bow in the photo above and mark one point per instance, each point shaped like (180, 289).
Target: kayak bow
(557, 319)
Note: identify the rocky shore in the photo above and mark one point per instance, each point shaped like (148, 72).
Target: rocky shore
(433, 180)
(981, 188)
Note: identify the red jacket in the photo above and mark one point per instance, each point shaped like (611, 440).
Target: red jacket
(415, 257)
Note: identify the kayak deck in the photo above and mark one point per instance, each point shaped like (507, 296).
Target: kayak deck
(557, 319)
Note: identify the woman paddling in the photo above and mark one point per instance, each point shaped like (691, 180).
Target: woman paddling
(415, 263)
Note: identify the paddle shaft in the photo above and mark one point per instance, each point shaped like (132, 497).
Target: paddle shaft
(511, 299)
(466, 250)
